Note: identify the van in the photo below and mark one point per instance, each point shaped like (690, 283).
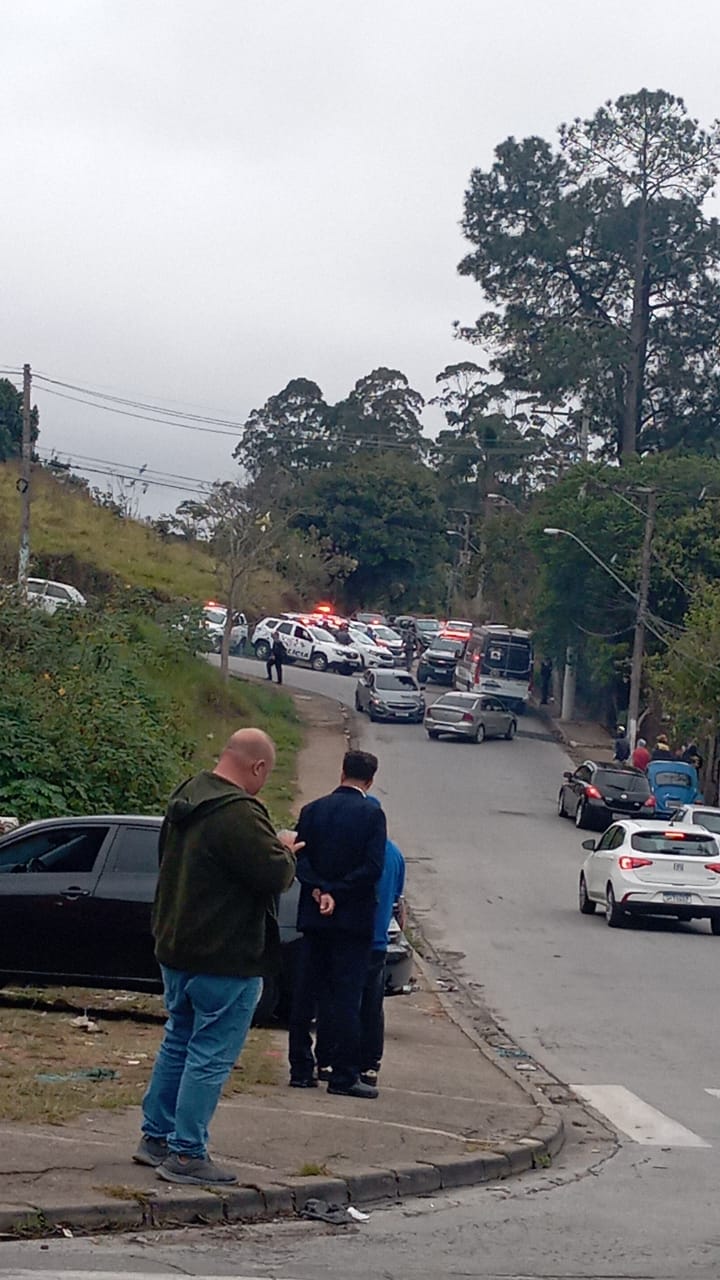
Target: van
(498, 660)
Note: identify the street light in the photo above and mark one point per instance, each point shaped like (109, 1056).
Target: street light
(640, 607)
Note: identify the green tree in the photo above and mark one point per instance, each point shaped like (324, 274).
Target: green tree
(11, 425)
(382, 412)
(385, 514)
(600, 269)
(291, 432)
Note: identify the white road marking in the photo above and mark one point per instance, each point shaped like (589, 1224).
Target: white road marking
(115, 1275)
(635, 1118)
(337, 1115)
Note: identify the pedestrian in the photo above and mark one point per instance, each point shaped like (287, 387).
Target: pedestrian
(276, 657)
(622, 745)
(546, 669)
(342, 861)
(641, 756)
(661, 750)
(692, 756)
(410, 645)
(390, 902)
(216, 938)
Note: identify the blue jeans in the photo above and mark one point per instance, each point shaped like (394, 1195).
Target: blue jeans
(208, 1021)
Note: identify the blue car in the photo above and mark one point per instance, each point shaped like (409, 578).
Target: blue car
(674, 784)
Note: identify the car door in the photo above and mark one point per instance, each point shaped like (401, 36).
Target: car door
(304, 644)
(498, 717)
(576, 788)
(599, 860)
(122, 907)
(47, 879)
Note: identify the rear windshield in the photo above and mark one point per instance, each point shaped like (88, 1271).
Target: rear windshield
(709, 820)
(615, 780)
(512, 658)
(462, 704)
(669, 778)
(390, 680)
(692, 846)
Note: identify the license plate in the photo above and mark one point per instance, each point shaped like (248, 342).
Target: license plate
(677, 897)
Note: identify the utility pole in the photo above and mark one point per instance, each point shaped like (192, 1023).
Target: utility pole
(23, 486)
(585, 435)
(639, 637)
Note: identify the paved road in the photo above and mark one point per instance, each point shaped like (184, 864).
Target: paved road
(493, 873)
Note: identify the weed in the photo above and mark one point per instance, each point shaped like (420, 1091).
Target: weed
(312, 1170)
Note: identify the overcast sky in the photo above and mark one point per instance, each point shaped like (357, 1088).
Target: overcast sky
(202, 199)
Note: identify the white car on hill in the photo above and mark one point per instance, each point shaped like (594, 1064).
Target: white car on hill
(306, 644)
(214, 617)
(652, 868)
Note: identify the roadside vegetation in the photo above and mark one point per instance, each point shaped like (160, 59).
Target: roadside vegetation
(108, 711)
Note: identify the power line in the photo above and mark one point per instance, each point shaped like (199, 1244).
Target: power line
(139, 404)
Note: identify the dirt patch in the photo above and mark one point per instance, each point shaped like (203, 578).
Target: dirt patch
(37, 1043)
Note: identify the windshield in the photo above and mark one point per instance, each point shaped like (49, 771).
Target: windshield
(323, 637)
(385, 633)
(215, 615)
(679, 843)
(673, 778)
(396, 681)
(616, 780)
(427, 624)
(445, 646)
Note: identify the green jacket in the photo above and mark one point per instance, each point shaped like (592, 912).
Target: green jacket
(221, 866)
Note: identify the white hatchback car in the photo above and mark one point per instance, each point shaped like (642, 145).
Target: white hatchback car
(652, 868)
(699, 815)
(51, 596)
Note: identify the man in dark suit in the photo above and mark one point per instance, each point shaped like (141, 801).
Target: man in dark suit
(338, 870)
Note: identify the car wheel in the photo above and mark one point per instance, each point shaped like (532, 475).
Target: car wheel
(615, 917)
(479, 734)
(715, 925)
(262, 650)
(586, 904)
(562, 811)
(433, 733)
(510, 734)
(581, 819)
(319, 662)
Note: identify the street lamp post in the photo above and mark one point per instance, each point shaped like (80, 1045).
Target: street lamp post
(641, 599)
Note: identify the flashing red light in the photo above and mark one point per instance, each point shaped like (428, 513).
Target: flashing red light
(592, 793)
(628, 863)
(323, 608)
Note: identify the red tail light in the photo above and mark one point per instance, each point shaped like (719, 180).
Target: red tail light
(628, 863)
(467, 716)
(713, 866)
(592, 793)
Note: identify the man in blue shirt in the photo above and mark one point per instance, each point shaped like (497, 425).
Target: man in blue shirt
(390, 888)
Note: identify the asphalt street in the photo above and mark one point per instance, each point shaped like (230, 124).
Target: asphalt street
(629, 1017)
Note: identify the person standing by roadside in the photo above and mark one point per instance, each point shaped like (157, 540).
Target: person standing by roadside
(622, 745)
(661, 750)
(641, 756)
(341, 863)
(276, 657)
(410, 645)
(216, 937)
(546, 669)
(390, 890)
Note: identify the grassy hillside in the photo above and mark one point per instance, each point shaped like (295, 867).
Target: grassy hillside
(73, 538)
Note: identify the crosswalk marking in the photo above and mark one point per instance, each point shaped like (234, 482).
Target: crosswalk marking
(637, 1119)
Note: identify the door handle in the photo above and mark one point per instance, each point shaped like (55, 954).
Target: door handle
(73, 893)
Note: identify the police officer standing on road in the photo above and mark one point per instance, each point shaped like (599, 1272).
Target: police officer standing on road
(276, 657)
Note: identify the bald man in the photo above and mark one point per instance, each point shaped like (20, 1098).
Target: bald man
(216, 937)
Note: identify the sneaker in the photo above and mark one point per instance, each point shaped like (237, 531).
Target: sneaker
(198, 1171)
(303, 1082)
(152, 1151)
(356, 1090)
(369, 1077)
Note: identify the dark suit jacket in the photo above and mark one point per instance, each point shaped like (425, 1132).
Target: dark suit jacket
(344, 855)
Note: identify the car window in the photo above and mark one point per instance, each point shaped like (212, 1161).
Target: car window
(707, 819)
(582, 774)
(673, 778)
(285, 628)
(458, 701)
(58, 849)
(617, 781)
(57, 593)
(618, 838)
(135, 851)
(396, 681)
(302, 634)
(35, 587)
(605, 841)
(681, 843)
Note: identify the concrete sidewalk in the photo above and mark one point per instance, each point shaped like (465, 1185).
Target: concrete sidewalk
(585, 739)
(447, 1115)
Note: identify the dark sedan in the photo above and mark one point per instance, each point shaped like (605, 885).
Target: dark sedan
(599, 791)
(75, 901)
(439, 660)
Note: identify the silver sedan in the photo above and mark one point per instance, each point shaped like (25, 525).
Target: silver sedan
(470, 715)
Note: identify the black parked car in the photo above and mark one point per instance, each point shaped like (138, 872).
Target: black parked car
(439, 660)
(599, 791)
(75, 902)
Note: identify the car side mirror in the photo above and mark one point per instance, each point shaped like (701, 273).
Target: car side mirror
(589, 845)
(567, 775)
